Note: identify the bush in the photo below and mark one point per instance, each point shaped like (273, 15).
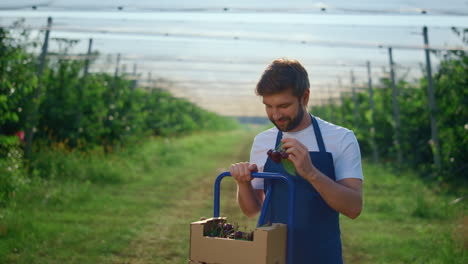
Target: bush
(12, 173)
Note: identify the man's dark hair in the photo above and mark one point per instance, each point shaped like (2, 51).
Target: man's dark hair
(283, 74)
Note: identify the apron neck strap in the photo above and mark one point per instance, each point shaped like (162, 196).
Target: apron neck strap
(318, 135)
(279, 136)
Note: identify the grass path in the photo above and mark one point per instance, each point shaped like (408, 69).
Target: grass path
(166, 239)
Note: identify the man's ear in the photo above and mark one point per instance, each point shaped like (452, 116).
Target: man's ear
(305, 97)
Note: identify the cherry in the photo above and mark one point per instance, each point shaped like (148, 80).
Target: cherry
(228, 227)
(238, 234)
(284, 155)
(270, 151)
(276, 156)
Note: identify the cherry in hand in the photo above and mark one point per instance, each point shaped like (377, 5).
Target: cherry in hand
(276, 155)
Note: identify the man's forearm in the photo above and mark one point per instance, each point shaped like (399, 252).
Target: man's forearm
(248, 200)
(344, 196)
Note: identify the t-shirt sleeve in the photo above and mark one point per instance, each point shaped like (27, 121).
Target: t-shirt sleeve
(348, 161)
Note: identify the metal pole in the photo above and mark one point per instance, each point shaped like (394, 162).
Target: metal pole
(134, 82)
(109, 123)
(432, 102)
(149, 81)
(116, 74)
(375, 152)
(330, 104)
(32, 115)
(90, 46)
(134, 69)
(396, 110)
(323, 104)
(353, 93)
(83, 83)
(3, 61)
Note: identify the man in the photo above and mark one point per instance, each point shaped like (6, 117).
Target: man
(326, 158)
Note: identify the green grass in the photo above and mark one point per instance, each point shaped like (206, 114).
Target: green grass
(403, 221)
(93, 219)
(165, 184)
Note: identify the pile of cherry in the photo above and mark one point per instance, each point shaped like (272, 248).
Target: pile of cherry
(227, 230)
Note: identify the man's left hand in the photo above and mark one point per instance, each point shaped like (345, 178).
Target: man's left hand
(299, 156)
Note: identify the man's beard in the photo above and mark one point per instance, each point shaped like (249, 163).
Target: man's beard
(294, 123)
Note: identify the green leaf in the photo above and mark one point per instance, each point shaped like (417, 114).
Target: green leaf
(279, 147)
(289, 166)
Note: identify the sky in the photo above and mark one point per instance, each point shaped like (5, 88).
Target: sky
(213, 52)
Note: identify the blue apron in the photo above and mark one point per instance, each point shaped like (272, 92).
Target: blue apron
(316, 228)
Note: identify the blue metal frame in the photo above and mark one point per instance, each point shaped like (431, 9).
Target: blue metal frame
(265, 175)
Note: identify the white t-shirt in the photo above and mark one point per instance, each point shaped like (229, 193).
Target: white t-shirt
(339, 141)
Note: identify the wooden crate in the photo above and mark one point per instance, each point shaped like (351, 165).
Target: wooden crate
(268, 245)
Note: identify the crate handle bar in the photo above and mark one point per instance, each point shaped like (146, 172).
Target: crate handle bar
(264, 175)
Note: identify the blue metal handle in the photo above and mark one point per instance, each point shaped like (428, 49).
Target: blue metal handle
(265, 175)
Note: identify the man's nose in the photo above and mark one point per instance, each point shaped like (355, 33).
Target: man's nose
(276, 114)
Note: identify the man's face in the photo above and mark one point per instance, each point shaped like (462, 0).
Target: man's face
(284, 110)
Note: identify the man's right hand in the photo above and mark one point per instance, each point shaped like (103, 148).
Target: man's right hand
(241, 171)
